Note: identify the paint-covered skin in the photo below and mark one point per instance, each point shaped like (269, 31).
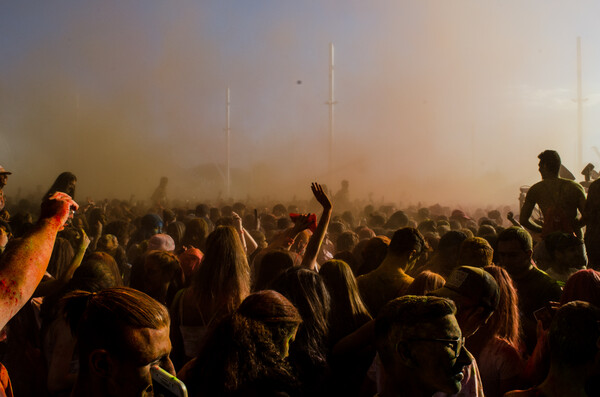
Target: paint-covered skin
(23, 265)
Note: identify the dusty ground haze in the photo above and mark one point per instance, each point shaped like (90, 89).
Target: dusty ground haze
(445, 102)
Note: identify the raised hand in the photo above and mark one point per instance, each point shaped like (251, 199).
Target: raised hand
(301, 222)
(237, 221)
(58, 208)
(84, 240)
(320, 195)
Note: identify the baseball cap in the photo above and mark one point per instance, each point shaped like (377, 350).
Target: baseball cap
(3, 171)
(473, 283)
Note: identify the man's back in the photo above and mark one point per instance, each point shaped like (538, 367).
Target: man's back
(381, 286)
(559, 199)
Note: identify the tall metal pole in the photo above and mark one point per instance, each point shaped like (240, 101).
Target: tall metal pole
(579, 107)
(228, 130)
(331, 103)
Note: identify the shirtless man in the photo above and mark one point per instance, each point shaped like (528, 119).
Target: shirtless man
(558, 198)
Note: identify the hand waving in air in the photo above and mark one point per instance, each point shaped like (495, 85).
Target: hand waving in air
(314, 244)
(320, 195)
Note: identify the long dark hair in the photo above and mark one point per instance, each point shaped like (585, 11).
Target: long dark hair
(223, 279)
(65, 183)
(505, 322)
(348, 312)
(306, 290)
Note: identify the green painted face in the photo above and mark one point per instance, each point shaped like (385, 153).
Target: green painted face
(291, 337)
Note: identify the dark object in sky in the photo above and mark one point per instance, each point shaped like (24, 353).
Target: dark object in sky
(299, 82)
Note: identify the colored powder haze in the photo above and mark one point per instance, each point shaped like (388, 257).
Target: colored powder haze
(437, 101)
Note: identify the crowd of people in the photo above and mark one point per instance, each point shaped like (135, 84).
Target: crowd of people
(317, 298)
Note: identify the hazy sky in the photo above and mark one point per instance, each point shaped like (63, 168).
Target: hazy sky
(438, 101)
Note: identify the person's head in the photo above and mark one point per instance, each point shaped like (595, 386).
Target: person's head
(107, 243)
(271, 266)
(120, 229)
(121, 333)
(3, 176)
(427, 226)
(346, 241)
(176, 230)
(425, 282)
(65, 183)
(247, 348)
(160, 269)
(151, 224)
(569, 252)
(107, 260)
(514, 250)
(196, 231)
(398, 220)
(373, 254)
(169, 216)
(364, 233)
(96, 273)
(161, 242)
(475, 293)
(487, 231)
(574, 335)
(549, 165)
(239, 208)
(214, 214)
(407, 243)
(459, 216)
(279, 210)
(277, 313)
(450, 243)
(190, 260)
(96, 215)
(202, 210)
(420, 345)
(335, 229)
(476, 252)
(583, 285)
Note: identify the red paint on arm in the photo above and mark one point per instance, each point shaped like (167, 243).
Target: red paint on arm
(24, 264)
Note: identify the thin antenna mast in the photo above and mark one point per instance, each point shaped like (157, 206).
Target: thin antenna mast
(228, 131)
(579, 107)
(331, 103)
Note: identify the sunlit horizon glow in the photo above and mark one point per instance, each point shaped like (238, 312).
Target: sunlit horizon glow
(438, 102)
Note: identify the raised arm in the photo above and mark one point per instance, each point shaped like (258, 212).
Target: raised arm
(23, 265)
(51, 285)
(285, 239)
(314, 244)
